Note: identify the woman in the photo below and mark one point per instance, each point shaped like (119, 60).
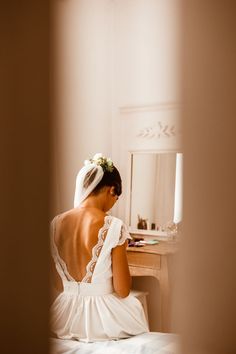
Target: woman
(89, 253)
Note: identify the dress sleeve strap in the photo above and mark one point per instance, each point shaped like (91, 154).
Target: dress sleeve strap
(124, 235)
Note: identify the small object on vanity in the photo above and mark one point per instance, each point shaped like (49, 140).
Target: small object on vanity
(174, 231)
(149, 242)
(153, 226)
(142, 223)
(137, 238)
(139, 244)
(133, 243)
(172, 228)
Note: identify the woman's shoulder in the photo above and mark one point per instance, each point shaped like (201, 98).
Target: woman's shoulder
(64, 220)
(96, 218)
(61, 216)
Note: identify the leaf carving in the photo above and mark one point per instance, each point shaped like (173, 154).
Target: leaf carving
(157, 131)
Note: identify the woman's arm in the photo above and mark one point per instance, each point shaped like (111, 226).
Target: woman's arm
(120, 270)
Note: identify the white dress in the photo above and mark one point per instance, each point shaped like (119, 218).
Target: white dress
(90, 310)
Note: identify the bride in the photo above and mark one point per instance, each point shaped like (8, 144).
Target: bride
(90, 268)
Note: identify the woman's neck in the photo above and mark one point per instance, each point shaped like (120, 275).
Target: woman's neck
(94, 202)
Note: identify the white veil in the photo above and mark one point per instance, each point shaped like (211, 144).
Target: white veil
(83, 188)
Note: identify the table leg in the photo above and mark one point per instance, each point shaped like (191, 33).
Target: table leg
(164, 296)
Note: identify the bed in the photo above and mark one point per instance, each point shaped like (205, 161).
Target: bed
(146, 343)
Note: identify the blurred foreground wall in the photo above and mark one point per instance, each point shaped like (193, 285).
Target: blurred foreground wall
(207, 308)
(24, 176)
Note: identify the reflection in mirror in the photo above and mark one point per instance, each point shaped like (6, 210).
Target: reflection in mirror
(156, 190)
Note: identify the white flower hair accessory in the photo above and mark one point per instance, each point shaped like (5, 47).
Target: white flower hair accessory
(100, 160)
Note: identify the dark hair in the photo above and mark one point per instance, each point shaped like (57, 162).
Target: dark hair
(90, 177)
(111, 179)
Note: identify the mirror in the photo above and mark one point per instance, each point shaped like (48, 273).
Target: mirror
(155, 191)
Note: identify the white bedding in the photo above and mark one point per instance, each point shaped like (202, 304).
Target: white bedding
(146, 343)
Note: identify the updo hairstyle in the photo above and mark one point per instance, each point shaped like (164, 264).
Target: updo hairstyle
(110, 179)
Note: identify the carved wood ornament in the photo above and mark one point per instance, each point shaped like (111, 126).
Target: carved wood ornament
(157, 131)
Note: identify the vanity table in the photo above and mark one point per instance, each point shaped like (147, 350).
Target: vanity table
(152, 260)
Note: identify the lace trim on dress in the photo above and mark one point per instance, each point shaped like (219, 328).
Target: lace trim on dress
(59, 263)
(97, 250)
(124, 235)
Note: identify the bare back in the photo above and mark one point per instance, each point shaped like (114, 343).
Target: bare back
(76, 233)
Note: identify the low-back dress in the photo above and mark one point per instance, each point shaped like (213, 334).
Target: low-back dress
(90, 310)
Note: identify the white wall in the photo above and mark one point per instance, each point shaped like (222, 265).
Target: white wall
(82, 89)
(146, 53)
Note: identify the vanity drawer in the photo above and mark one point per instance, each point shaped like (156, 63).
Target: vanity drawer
(145, 260)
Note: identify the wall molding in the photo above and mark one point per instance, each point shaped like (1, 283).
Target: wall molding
(148, 107)
(157, 131)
